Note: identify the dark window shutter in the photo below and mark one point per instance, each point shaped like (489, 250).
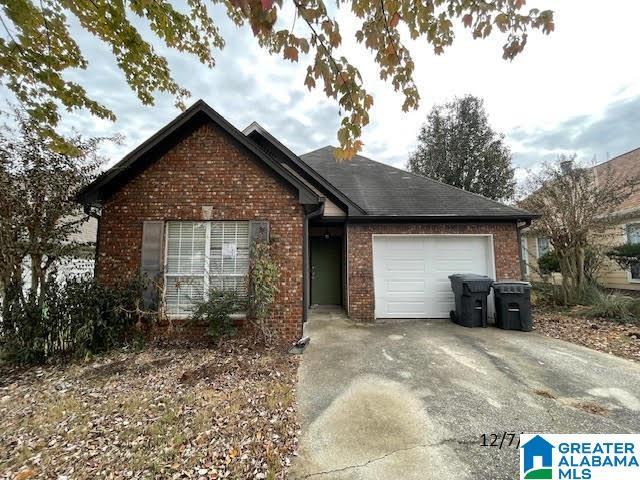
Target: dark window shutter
(259, 231)
(151, 259)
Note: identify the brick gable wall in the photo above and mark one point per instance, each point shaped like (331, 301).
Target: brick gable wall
(361, 305)
(207, 169)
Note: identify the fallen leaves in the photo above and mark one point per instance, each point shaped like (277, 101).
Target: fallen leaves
(161, 413)
(616, 338)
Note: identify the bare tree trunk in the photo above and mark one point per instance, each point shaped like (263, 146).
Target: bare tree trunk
(36, 277)
(580, 270)
(566, 276)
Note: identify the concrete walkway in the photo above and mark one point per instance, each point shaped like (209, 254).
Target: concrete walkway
(410, 400)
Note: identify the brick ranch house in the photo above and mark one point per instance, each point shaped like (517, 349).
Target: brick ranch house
(185, 205)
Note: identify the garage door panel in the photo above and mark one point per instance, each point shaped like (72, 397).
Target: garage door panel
(406, 309)
(403, 244)
(411, 272)
(400, 265)
(405, 286)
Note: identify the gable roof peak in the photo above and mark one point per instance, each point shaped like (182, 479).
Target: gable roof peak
(163, 140)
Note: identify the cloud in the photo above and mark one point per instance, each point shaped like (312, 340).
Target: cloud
(600, 136)
(572, 74)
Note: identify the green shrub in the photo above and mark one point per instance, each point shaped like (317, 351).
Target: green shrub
(66, 321)
(613, 306)
(549, 263)
(216, 311)
(626, 256)
(546, 294)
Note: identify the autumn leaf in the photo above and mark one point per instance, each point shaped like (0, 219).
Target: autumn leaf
(335, 39)
(393, 23)
(266, 4)
(519, 4)
(291, 53)
(502, 21)
(467, 20)
(25, 474)
(309, 82)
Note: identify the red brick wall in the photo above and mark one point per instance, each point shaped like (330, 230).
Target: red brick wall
(360, 262)
(207, 169)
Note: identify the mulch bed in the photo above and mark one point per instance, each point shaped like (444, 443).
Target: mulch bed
(617, 338)
(166, 412)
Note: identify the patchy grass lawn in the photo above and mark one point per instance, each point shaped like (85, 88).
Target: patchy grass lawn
(618, 338)
(160, 413)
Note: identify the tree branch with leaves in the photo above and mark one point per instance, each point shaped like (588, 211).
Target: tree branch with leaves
(38, 214)
(37, 47)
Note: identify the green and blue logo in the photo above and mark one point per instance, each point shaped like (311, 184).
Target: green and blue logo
(579, 457)
(536, 459)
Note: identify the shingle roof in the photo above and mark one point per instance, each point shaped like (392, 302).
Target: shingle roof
(385, 191)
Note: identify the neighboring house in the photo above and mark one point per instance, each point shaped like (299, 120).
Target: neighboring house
(81, 265)
(532, 249)
(374, 239)
(627, 229)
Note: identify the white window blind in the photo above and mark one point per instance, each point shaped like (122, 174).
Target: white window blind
(204, 255)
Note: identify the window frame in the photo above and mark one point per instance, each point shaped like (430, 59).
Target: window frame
(538, 246)
(628, 238)
(206, 273)
(524, 253)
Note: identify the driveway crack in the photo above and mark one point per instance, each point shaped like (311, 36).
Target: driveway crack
(388, 454)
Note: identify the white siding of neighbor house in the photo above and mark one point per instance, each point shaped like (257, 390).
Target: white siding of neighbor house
(532, 255)
(612, 276)
(68, 267)
(88, 231)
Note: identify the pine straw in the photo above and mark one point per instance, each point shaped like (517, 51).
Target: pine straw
(617, 338)
(160, 413)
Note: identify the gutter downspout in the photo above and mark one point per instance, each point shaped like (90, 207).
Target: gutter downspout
(92, 213)
(519, 228)
(306, 285)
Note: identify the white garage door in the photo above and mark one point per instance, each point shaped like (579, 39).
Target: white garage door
(411, 272)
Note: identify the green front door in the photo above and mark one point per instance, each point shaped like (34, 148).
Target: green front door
(326, 275)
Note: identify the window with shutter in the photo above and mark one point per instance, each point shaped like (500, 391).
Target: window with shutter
(204, 255)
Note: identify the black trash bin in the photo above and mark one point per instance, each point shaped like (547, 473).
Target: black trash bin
(471, 293)
(513, 305)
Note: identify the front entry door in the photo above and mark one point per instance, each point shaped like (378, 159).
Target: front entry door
(326, 275)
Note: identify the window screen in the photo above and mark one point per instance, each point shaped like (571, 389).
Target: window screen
(204, 255)
(633, 236)
(543, 246)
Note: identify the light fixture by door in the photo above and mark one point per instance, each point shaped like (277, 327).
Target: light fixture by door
(326, 233)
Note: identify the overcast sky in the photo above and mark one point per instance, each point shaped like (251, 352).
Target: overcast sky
(575, 90)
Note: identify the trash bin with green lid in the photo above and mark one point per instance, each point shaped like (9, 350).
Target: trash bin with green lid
(513, 305)
(470, 292)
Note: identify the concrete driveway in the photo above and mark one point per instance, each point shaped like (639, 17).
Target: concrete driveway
(411, 399)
